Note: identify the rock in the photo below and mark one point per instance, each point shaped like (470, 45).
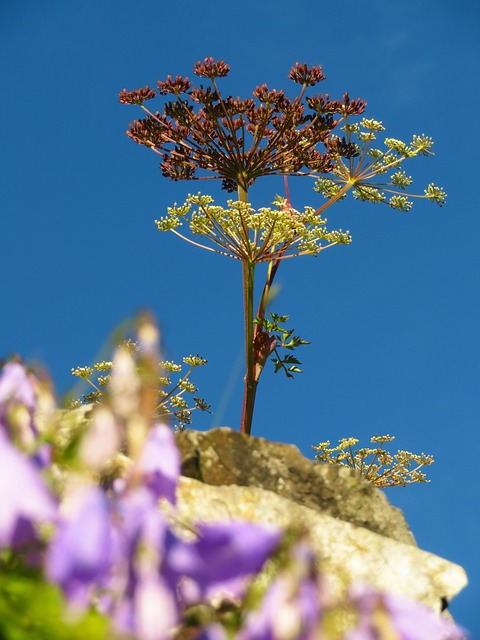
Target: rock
(346, 553)
(226, 457)
(356, 533)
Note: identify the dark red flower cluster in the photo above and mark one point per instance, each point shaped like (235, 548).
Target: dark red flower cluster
(240, 140)
(210, 68)
(137, 96)
(177, 86)
(303, 75)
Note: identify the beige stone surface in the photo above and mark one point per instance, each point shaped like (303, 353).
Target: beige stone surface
(346, 552)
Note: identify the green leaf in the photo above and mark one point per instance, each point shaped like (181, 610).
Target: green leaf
(32, 609)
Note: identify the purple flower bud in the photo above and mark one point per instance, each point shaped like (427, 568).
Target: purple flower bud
(155, 608)
(159, 463)
(289, 611)
(15, 387)
(17, 404)
(101, 441)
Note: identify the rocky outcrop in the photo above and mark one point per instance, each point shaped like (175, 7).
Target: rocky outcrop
(227, 457)
(356, 533)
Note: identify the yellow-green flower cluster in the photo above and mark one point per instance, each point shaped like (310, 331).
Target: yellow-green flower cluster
(171, 405)
(250, 235)
(360, 170)
(375, 464)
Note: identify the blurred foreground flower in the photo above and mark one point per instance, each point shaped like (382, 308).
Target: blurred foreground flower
(383, 615)
(25, 499)
(114, 552)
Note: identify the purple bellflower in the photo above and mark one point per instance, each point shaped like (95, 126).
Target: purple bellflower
(405, 618)
(223, 557)
(81, 554)
(159, 463)
(291, 608)
(15, 387)
(17, 392)
(145, 601)
(25, 499)
(212, 632)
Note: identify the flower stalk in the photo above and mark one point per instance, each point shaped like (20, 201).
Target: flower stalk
(250, 385)
(250, 381)
(201, 135)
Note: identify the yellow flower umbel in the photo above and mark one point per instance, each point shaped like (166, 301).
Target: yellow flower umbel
(242, 233)
(375, 464)
(360, 170)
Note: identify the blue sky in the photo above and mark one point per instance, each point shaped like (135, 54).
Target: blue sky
(393, 318)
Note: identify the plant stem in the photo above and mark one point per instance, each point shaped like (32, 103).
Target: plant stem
(250, 384)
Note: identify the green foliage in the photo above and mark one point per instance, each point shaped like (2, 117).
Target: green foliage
(375, 464)
(284, 339)
(32, 609)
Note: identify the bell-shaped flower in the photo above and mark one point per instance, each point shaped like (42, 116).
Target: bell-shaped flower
(15, 387)
(25, 499)
(213, 631)
(223, 558)
(292, 606)
(81, 554)
(151, 612)
(146, 603)
(17, 404)
(382, 614)
(102, 439)
(158, 465)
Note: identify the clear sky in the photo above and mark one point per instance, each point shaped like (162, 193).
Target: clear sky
(393, 318)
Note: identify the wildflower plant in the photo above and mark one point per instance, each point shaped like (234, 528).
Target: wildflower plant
(200, 134)
(176, 396)
(375, 464)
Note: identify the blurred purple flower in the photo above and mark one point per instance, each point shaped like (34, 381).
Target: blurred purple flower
(15, 387)
(149, 612)
(159, 463)
(101, 441)
(24, 497)
(155, 608)
(156, 561)
(223, 557)
(146, 604)
(17, 392)
(81, 554)
(408, 619)
(289, 611)
(212, 632)
(291, 608)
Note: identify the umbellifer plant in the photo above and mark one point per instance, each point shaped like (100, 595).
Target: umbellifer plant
(374, 463)
(199, 134)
